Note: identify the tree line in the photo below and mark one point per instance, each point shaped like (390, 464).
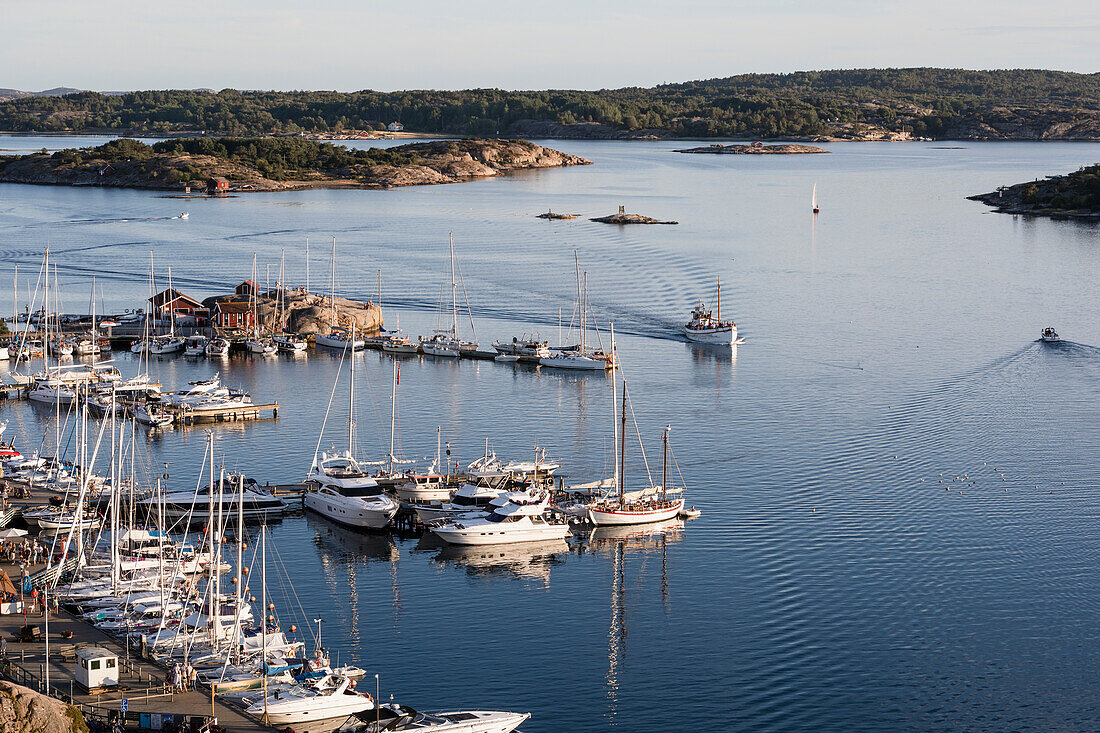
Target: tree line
(923, 101)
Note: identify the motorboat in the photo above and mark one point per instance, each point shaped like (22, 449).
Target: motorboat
(61, 347)
(63, 521)
(52, 391)
(86, 346)
(394, 718)
(423, 488)
(400, 344)
(504, 525)
(338, 339)
(151, 414)
(261, 346)
(524, 348)
(198, 389)
(290, 344)
(347, 494)
(217, 346)
(706, 327)
(8, 454)
(1050, 336)
(440, 344)
(194, 346)
(305, 704)
(471, 498)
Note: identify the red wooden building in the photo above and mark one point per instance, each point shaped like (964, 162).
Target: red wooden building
(232, 315)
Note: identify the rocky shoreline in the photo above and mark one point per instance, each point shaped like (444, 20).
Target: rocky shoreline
(755, 149)
(427, 163)
(1072, 196)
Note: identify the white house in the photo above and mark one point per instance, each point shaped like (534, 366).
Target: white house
(96, 667)
(395, 127)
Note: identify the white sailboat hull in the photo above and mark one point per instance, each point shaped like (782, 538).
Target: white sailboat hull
(581, 363)
(608, 516)
(336, 342)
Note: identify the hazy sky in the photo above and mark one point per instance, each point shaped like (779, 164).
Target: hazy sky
(446, 44)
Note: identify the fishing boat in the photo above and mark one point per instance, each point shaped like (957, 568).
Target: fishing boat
(1050, 336)
(707, 328)
(652, 504)
(394, 718)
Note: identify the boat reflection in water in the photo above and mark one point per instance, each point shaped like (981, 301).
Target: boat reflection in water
(523, 560)
(623, 543)
(341, 545)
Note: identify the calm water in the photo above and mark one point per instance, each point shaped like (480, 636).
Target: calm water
(833, 582)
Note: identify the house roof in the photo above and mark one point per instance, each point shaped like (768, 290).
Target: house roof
(168, 297)
(224, 306)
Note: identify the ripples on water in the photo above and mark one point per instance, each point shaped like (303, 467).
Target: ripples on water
(835, 580)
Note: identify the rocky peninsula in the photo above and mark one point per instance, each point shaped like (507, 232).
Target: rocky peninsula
(22, 710)
(195, 165)
(755, 149)
(1072, 196)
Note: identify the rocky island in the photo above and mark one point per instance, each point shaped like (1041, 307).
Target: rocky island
(222, 165)
(1072, 196)
(755, 149)
(624, 218)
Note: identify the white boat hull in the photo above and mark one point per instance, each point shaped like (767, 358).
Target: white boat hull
(440, 351)
(725, 335)
(351, 512)
(578, 363)
(392, 348)
(490, 533)
(332, 342)
(610, 516)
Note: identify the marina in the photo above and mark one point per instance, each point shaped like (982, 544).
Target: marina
(817, 443)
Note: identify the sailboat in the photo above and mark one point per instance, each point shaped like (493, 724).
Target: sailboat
(51, 388)
(336, 338)
(345, 492)
(445, 342)
(170, 344)
(707, 328)
(256, 344)
(814, 200)
(652, 504)
(285, 342)
(581, 356)
(88, 345)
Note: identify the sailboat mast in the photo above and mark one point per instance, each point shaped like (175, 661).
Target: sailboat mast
(115, 457)
(93, 307)
(664, 465)
(263, 617)
(393, 407)
(255, 302)
(240, 563)
(307, 264)
(171, 308)
(614, 406)
(622, 451)
(351, 394)
(584, 314)
(454, 292)
(719, 299)
(332, 305)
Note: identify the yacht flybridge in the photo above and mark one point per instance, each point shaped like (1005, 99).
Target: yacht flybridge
(708, 328)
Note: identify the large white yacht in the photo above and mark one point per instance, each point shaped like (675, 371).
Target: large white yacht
(347, 494)
(258, 504)
(706, 327)
(306, 704)
(505, 525)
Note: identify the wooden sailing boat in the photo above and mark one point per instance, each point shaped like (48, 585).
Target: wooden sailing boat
(652, 504)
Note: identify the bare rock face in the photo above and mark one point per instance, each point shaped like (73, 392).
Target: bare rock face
(311, 313)
(23, 710)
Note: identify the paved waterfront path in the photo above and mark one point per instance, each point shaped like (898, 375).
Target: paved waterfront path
(141, 683)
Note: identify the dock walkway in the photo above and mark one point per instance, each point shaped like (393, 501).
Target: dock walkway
(141, 683)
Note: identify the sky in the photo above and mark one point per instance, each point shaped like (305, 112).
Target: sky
(445, 44)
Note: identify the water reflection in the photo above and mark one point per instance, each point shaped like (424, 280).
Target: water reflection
(525, 561)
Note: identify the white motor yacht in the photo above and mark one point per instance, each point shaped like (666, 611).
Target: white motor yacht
(217, 347)
(198, 390)
(400, 344)
(290, 344)
(52, 391)
(524, 348)
(305, 704)
(194, 346)
(262, 346)
(709, 328)
(338, 339)
(394, 718)
(424, 488)
(472, 498)
(505, 525)
(347, 494)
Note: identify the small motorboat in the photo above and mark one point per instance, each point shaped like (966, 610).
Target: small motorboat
(1050, 336)
(217, 347)
(506, 358)
(691, 513)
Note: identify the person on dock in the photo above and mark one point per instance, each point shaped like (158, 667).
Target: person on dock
(3, 647)
(177, 678)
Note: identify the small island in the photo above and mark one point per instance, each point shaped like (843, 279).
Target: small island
(755, 149)
(222, 165)
(1072, 196)
(624, 218)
